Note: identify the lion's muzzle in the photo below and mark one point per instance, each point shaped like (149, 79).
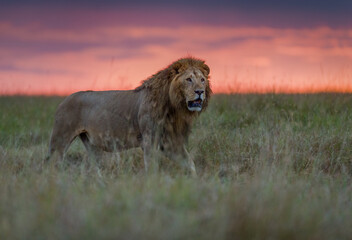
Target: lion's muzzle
(195, 105)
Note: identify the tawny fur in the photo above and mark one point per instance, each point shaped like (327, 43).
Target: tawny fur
(154, 116)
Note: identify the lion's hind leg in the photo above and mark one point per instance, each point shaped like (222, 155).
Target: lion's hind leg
(95, 153)
(59, 145)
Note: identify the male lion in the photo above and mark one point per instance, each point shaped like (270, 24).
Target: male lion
(155, 116)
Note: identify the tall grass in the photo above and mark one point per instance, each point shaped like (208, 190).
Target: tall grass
(269, 166)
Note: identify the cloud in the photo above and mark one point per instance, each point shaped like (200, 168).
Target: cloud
(255, 13)
(41, 59)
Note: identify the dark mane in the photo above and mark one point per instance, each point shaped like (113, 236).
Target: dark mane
(178, 118)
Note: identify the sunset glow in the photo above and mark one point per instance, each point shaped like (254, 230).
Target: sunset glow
(41, 58)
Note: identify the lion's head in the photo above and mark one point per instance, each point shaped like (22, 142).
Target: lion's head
(189, 87)
(182, 86)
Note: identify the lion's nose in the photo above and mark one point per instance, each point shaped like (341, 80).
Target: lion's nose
(199, 92)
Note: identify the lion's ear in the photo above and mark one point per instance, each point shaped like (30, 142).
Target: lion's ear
(206, 68)
(175, 68)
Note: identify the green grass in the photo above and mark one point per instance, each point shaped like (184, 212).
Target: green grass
(269, 166)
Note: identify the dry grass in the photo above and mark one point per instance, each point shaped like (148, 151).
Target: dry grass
(270, 167)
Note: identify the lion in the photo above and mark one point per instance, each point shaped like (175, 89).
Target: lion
(156, 116)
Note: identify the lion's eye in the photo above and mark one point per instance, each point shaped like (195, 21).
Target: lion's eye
(189, 80)
(202, 80)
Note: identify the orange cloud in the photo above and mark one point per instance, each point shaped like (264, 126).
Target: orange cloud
(60, 61)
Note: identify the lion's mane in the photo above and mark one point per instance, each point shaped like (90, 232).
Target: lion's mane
(158, 86)
(168, 104)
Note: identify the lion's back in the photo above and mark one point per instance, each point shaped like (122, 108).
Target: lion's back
(97, 104)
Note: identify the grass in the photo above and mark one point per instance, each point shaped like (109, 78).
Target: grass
(270, 167)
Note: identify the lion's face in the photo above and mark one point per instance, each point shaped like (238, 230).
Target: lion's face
(192, 87)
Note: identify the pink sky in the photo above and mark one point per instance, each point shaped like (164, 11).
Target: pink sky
(37, 59)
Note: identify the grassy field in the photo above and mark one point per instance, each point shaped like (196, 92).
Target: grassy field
(270, 167)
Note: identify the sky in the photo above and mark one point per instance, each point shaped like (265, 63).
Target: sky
(60, 47)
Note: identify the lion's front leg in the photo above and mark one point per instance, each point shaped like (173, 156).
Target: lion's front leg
(189, 163)
(150, 154)
(183, 158)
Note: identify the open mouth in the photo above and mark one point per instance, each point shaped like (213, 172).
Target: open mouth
(195, 105)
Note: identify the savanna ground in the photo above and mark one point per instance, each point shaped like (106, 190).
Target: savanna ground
(269, 166)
